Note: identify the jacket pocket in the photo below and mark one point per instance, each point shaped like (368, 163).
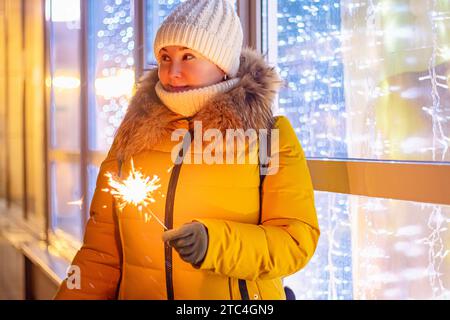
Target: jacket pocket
(271, 289)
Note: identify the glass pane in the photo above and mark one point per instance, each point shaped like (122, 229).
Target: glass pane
(372, 248)
(92, 171)
(156, 12)
(66, 198)
(111, 69)
(365, 79)
(65, 74)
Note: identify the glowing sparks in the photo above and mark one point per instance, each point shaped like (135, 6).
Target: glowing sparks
(136, 190)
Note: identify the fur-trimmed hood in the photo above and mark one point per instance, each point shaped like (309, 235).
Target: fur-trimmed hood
(247, 106)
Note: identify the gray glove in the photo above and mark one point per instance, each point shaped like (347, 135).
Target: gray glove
(190, 241)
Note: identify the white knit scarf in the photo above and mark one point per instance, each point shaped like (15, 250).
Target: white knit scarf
(188, 103)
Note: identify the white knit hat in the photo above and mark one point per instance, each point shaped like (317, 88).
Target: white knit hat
(210, 27)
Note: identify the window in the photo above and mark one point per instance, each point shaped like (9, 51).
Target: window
(64, 81)
(303, 40)
(111, 68)
(92, 72)
(155, 13)
(374, 248)
(111, 74)
(368, 81)
(364, 80)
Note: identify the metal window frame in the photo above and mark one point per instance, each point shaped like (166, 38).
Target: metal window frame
(425, 182)
(4, 97)
(25, 206)
(250, 12)
(139, 27)
(47, 119)
(7, 76)
(55, 155)
(84, 110)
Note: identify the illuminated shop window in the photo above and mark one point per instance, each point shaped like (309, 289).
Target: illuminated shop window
(111, 68)
(365, 79)
(373, 248)
(368, 80)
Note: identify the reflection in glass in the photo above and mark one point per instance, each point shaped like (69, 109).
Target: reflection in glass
(372, 248)
(92, 173)
(365, 79)
(64, 79)
(329, 274)
(156, 12)
(112, 68)
(66, 198)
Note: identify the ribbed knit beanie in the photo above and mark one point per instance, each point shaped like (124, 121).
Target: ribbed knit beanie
(210, 27)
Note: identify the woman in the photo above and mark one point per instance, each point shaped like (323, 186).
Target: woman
(224, 241)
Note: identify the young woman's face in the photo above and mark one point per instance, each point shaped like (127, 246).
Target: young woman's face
(182, 69)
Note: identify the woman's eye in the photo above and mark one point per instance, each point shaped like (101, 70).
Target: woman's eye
(188, 57)
(165, 58)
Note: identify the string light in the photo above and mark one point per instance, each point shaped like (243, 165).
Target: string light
(339, 53)
(115, 66)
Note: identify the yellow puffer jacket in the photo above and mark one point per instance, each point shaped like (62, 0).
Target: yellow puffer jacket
(123, 255)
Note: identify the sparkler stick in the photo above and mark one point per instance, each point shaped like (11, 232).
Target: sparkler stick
(136, 190)
(157, 219)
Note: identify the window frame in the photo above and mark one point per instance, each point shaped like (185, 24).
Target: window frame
(58, 238)
(20, 214)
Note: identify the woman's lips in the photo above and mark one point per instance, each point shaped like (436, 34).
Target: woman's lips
(177, 89)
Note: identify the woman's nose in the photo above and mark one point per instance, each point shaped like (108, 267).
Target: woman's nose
(175, 70)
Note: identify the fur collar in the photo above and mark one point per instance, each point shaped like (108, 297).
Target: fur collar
(249, 105)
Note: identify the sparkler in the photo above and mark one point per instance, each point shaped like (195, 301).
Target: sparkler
(136, 190)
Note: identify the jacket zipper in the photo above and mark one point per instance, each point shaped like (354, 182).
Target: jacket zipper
(243, 289)
(168, 219)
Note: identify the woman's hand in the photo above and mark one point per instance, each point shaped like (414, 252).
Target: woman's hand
(190, 241)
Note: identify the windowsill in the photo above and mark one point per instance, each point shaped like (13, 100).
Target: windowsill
(50, 263)
(36, 250)
(54, 266)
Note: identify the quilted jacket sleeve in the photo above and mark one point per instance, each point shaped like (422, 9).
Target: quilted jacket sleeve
(287, 237)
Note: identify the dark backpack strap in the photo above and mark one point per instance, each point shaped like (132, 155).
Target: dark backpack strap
(263, 167)
(264, 161)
